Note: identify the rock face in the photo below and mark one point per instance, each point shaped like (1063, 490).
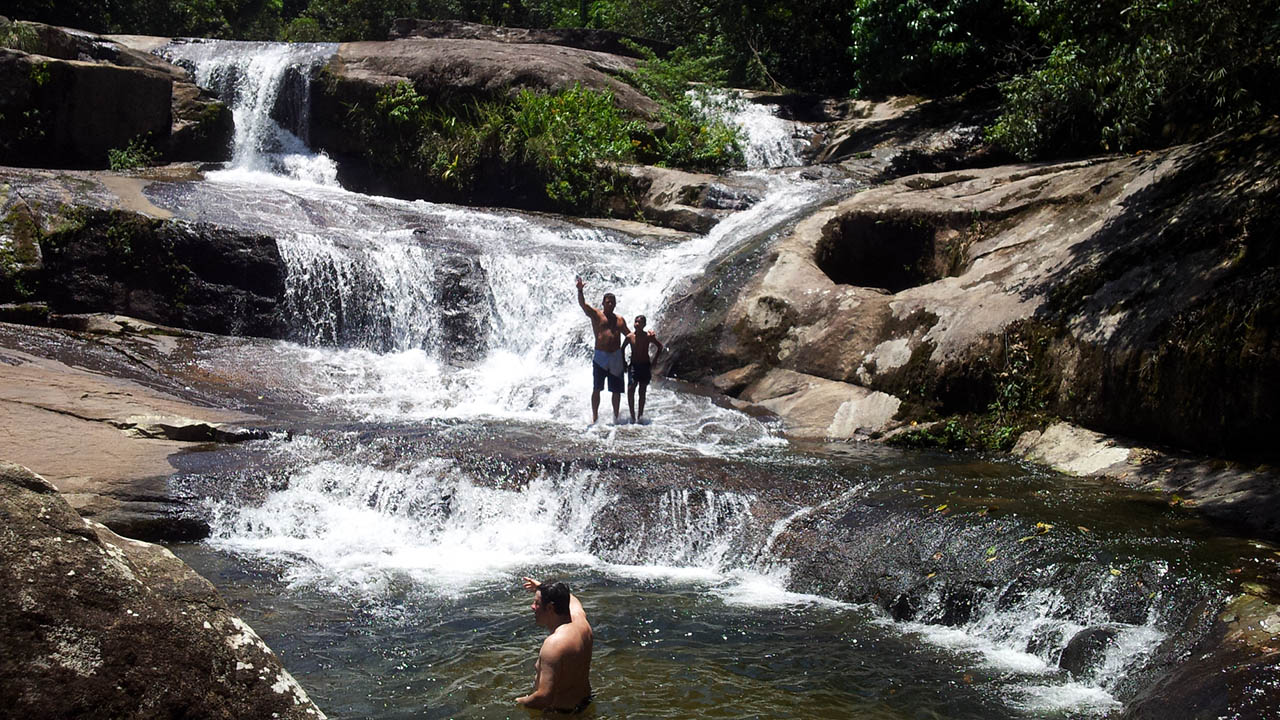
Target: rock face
(605, 41)
(689, 202)
(121, 628)
(464, 301)
(186, 275)
(90, 243)
(1133, 295)
(447, 71)
(105, 440)
(75, 96)
(1234, 665)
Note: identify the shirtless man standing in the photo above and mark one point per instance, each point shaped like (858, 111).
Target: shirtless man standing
(561, 674)
(640, 342)
(609, 330)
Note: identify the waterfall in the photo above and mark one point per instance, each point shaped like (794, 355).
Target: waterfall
(447, 334)
(267, 86)
(769, 141)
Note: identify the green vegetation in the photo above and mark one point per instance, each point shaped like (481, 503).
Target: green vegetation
(564, 141)
(1076, 77)
(933, 46)
(691, 136)
(138, 153)
(558, 149)
(17, 36)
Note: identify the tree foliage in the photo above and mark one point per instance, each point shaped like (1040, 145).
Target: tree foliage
(1125, 74)
(930, 46)
(1076, 76)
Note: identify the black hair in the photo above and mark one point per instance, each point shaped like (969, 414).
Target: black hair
(641, 319)
(609, 296)
(556, 595)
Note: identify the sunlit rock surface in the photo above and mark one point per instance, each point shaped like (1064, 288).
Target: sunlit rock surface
(1140, 293)
(113, 623)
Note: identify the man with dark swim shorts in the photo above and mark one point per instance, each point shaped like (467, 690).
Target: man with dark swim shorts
(641, 369)
(561, 674)
(607, 364)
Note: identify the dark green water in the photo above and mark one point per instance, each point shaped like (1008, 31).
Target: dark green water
(406, 609)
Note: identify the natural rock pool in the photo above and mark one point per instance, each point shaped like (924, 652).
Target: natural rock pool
(431, 447)
(382, 562)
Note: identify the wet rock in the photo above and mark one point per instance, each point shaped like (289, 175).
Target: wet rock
(25, 313)
(180, 274)
(1235, 665)
(203, 126)
(173, 427)
(463, 299)
(1086, 650)
(121, 628)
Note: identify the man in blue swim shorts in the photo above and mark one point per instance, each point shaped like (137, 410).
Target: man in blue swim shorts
(607, 365)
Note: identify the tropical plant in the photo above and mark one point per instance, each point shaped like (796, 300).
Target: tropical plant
(137, 153)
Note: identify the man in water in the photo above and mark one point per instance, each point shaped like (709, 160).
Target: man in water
(640, 342)
(607, 364)
(561, 681)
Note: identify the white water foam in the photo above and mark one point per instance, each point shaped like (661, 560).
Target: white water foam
(364, 276)
(768, 140)
(249, 76)
(340, 524)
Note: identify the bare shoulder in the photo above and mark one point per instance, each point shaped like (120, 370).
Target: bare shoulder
(552, 647)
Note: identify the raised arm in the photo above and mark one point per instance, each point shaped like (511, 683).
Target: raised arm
(582, 301)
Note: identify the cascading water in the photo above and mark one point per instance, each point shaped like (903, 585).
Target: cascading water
(447, 348)
(263, 82)
(769, 141)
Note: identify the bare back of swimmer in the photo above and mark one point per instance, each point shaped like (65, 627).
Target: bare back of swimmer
(561, 677)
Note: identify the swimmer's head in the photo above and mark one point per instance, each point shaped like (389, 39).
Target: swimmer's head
(554, 596)
(640, 322)
(609, 302)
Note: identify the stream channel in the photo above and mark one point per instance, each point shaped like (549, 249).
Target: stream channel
(441, 357)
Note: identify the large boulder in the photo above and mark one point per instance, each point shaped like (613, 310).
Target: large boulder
(100, 626)
(69, 113)
(447, 73)
(1135, 295)
(68, 97)
(606, 41)
(189, 275)
(100, 246)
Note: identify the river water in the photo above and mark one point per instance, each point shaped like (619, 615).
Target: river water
(377, 542)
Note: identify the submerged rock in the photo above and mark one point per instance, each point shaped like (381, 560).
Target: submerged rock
(121, 628)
